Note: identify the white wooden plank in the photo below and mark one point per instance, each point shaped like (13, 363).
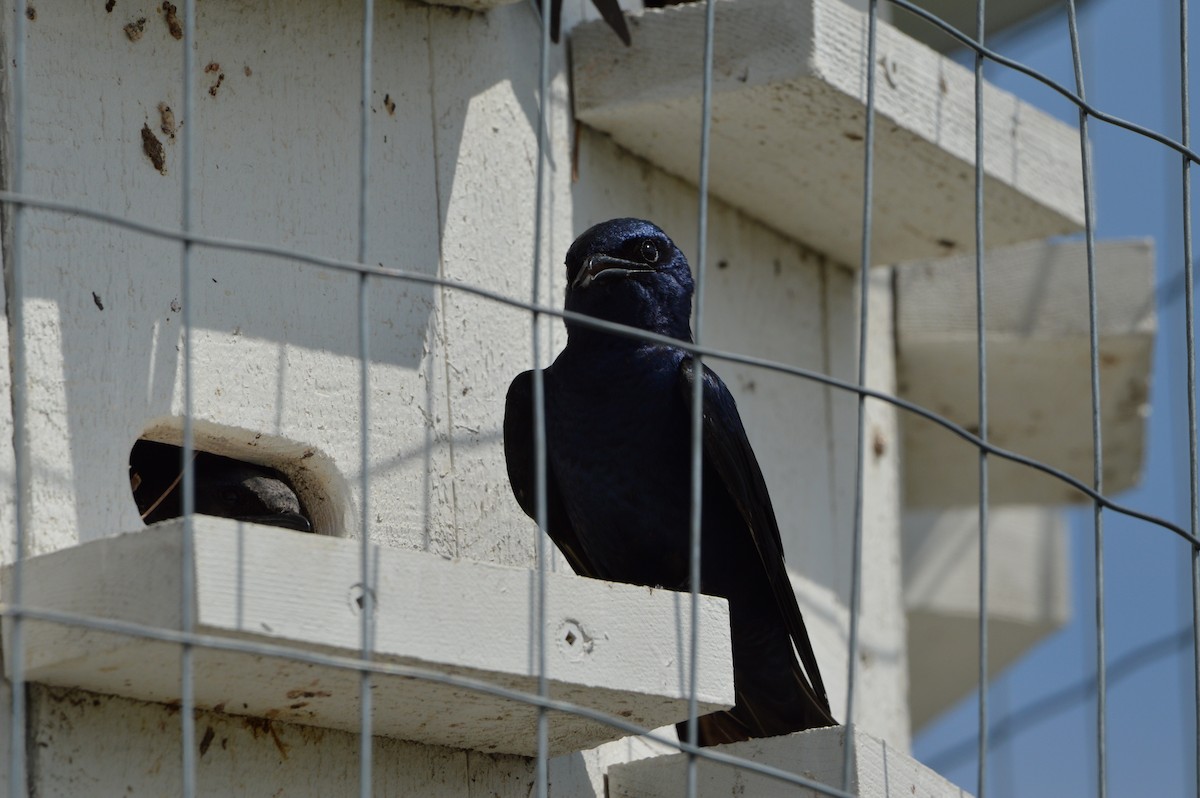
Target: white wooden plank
(612, 647)
(86, 744)
(788, 107)
(1029, 587)
(880, 770)
(275, 345)
(1039, 380)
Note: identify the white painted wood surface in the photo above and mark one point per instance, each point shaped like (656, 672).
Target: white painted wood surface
(1039, 379)
(1029, 596)
(879, 770)
(616, 648)
(452, 186)
(83, 744)
(788, 120)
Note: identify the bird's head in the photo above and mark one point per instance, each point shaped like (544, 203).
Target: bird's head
(628, 271)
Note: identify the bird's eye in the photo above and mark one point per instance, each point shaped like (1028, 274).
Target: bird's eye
(649, 252)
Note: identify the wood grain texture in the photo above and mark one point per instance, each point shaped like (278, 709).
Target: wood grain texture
(615, 648)
(1039, 377)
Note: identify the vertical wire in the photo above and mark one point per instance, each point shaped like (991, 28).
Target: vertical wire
(981, 354)
(864, 281)
(697, 486)
(364, 338)
(187, 581)
(21, 477)
(1189, 314)
(1097, 441)
(541, 769)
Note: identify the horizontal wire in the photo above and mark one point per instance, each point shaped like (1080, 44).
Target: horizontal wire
(350, 663)
(1071, 96)
(258, 248)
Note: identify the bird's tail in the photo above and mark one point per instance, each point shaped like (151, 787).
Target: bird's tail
(773, 694)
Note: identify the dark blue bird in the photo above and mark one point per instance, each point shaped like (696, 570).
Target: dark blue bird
(618, 446)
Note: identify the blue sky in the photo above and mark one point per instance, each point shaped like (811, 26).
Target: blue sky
(1130, 51)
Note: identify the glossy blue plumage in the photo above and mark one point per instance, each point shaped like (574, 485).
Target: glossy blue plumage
(618, 471)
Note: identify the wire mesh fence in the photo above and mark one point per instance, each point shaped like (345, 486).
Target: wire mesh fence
(21, 204)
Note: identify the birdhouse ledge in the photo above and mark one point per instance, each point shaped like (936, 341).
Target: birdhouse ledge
(788, 123)
(877, 771)
(610, 647)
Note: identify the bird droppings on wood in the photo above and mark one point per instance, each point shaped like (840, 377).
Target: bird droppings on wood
(110, 5)
(135, 29)
(266, 726)
(69, 695)
(166, 121)
(206, 740)
(30, 13)
(213, 89)
(247, 71)
(171, 17)
(212, 66)
(154, 150)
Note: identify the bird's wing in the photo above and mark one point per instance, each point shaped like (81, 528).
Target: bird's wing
(727, 450)
(519, 455)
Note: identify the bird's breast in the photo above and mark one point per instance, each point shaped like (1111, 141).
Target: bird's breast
(620, 454)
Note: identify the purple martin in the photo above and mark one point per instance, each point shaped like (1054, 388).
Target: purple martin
(618, 474)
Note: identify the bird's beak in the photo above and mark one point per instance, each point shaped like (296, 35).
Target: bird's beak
(601, 266)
